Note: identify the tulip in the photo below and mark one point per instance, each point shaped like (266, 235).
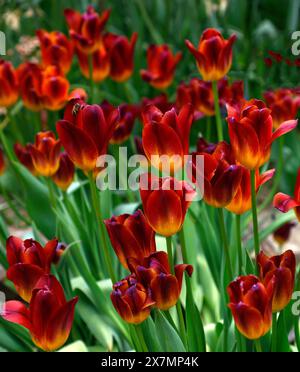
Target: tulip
(85, 133)
(100, 61)
(65, 173)
(131, 236)
(49, 317)
(282, 234)
(204, 146)
(251, 306)
(250, 131)
(161, 66)
(165, 202)
(60, 249)
(167, 134)
(28, 261)
(86, 29)
(24, 156)
(56, 49)
(121, 53)
(9, 92)
(213, 55)
(278, 272)
(161, 102)
(284, 202)
(2, 162)
(79, 94)
(283, 104)
(131, 300)
(45, 154)
(154, 273)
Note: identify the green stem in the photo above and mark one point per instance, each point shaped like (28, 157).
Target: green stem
(258, 346)
(208, 129)
(97, 210)
(225, 243)
(90, 58)
(217, 110)
(254, 212)
(170, 253)
(239, 242)
(141, 338)
(274, 333)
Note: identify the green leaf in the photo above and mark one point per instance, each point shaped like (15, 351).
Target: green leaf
(75, 347)
(282, 332)
(149, 332)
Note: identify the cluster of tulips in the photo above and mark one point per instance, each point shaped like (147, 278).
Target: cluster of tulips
(232, 176)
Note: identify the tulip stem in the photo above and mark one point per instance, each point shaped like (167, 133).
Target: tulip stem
(97, 210)
(258, 346)
(90, 58)
(239, 243)
(254, 212)
(141, 338)
(170, 253)
(274, 333)
(225, 242)
(217, 110)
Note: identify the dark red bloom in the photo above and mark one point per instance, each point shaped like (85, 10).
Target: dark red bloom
(49, 317)
(101, 64)
(161, 102)
(279, 273)
(9, 92)
(161, 66)
(282, 234)
(24, 156)
(65, 173)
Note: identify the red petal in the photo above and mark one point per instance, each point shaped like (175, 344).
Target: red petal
(284, 128)
(180, 269)
(14, 249)
(284, 202)
(16, 312)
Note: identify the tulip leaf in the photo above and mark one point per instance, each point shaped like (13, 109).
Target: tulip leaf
(75, 347)
(282, 332)
(167, 335)
(150, 335)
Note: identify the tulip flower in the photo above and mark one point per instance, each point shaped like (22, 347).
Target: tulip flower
(283, 104)
(167, 134)
(65, 173)
(24, 156)
(204, 146)
(60, 249)
(49, 317)
(45, 154)
(56, 49)
(154, 273)
(213, 55)
(131, 236)
(9, 92)
(165, 202)
(161, 102)
(131, 300)
(282, 234)
(2, 162)
(85, 133)
(251, 306)
(28, 261)
(86, 29)
(278, 272)
(78, 93)
(101, 64)
(121, 53)
(161, 66)
(284, 202)
(250, 131)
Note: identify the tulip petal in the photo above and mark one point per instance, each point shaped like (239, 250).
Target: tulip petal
(180, 269)
(284, 202)
(16, 312)
(284, 128)
(165, 291)
(14, 249)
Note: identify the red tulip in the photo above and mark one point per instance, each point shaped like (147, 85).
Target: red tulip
(165, 202)
(161, 102)
(278, 272)
(161, 66)
(45, 154)
(213, 55)
(85, 133)
(282, 234)
(78, 93)
(24, 156)
(131, 300)
(9, 92)
(121, 53)
(251, 135)
(167, 134)
(154, 273)
(251, 306)
(49, 317)
(65, 173)
(2, 162)
(56, 49)
(131, 236)
(101, 65)
(28, 261)
(284, 202)
(86, 29)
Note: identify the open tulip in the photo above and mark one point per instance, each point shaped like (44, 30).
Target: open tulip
(56, 49)
(28, 261)
(121, 54)
(9, 92)
(85, 133)
(161, 66)
(131, 300)
(101, 64)
(251, 306)
(250, 131)
(154, 273)
(45, 154)
(24, 156)
(213, 55)
(284, 202)
(49, 317)
(2, 162)
(65, 173)
(278, 272)
(131, 236)
(167, 134)
(85, 29)
(165, 202)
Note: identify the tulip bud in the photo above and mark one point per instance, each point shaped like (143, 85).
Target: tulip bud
(101, 65)
(24, 156)
(65, 173)
(9, 92)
